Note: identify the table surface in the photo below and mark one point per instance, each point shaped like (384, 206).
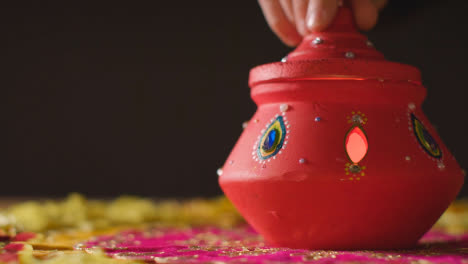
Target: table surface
(195, 231)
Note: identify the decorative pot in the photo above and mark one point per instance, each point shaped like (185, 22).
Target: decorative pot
(339, 154)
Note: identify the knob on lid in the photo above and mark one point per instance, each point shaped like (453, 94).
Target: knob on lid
(339, 52)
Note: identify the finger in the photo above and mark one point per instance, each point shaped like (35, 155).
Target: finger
(300, 11)
(288, 9)
(380, 4)
(365, 14)
(320, 14)
(279, 23)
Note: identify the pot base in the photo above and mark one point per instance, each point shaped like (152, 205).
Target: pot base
(326, 214)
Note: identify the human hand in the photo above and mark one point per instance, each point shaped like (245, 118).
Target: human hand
(291, 20)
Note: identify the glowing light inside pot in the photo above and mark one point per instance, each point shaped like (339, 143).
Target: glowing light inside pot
(356, 144)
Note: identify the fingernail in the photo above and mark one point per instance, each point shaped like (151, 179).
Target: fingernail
(311, 19)
(302, 28)
(317, 16)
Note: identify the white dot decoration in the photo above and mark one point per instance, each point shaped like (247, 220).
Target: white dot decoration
(350, 55)
(411, 106)
(441, 166)
(317, 41)
(284, 107)
(407, 158)
(245, 124)
(356, 119)
(220, 171)
(302, 160)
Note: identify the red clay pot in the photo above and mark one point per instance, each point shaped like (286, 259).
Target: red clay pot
(339, 154)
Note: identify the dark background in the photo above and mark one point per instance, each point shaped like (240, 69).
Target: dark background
(148, 97)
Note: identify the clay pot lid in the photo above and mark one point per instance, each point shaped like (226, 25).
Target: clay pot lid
(339, 52)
